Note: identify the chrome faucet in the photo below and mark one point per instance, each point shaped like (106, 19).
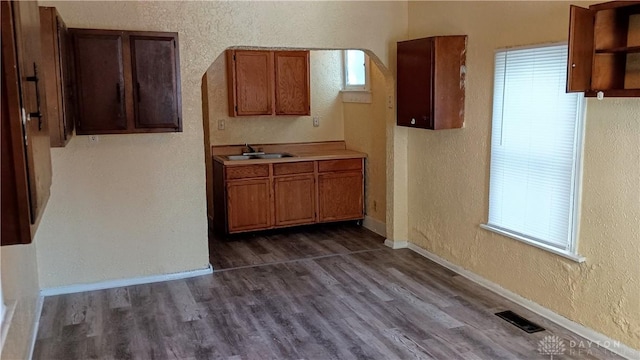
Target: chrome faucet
(252, 151)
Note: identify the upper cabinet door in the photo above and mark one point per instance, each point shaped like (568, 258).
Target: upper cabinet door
(415, 83)
(100, 82)
(579, 66)
(580, 49)
(252, 74)
(292, 82)
(156, 81)
(26, 157)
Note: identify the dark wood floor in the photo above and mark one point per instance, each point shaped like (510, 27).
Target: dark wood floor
(314, 293)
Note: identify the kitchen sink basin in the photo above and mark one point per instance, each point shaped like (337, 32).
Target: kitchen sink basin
(274, 156)
(259, 156)
(240, 157)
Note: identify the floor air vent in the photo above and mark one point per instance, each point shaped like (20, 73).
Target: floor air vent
(520, 322)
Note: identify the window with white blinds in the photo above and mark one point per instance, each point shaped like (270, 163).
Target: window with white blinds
(536, 143)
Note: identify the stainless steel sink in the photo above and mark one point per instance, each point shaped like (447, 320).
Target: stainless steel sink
(240, 157)
(259, 156)
(274, 156)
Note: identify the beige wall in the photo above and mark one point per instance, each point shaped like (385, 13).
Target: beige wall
(448, 184)
(365, 130)
(326, 80)
(20, 289)
(134, 205)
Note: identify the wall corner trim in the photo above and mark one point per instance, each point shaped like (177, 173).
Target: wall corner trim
(36, 325)
(375, 225)
(589, 334)
(396, 244)
(109, 284)
(6, 321)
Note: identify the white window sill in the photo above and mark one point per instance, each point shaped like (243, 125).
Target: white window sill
(356, 96)
(565, 254)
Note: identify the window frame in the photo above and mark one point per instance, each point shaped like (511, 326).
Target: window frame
(367, 82)
(576, 181)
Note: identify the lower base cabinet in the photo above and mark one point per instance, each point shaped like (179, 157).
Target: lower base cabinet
(340, 196)
(260, 197)
(294, 200)
(248, 204)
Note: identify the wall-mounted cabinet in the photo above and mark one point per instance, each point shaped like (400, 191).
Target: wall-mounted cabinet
(604, 49)
(26, 156)
(263, 82)
(57, 72)
(126, 82)
(431, 82)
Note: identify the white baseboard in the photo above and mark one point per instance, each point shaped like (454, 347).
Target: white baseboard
(10, 309)
(109, 284)
(396, 244)
(375, 225)
(36, 325)
(589, 334)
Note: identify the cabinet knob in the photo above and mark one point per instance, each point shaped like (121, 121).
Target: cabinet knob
(573, 65)
(413, 121)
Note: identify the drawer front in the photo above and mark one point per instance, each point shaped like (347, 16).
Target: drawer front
(245, 172)
(303, 167)
(339, 165)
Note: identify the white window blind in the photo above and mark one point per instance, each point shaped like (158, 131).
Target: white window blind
(535, 147)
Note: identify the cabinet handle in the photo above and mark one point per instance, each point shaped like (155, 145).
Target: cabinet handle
(35, 79)
(118, 97)
(138, 90)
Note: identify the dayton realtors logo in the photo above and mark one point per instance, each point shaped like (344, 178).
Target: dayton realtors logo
(551, 345)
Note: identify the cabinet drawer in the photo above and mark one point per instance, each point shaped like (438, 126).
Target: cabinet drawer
(340, 165)
(248, 171)
(303, 167)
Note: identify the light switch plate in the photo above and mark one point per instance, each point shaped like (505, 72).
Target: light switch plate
(316, 121)
(221, 124)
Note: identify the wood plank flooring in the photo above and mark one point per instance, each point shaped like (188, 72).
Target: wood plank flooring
(330, 292)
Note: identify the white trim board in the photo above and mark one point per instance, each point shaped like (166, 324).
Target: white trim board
(375, 225)
(396, 244)
(589, 334)
(109, 284)
(36, 325)
(9, 310)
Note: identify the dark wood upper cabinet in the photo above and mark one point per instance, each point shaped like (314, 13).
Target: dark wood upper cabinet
(604, 49)
(431, 82)
(157, 91)
(268, 82)
(292, 82)
(57, 72)
(126, 82)
(99, 82)
(26, 156)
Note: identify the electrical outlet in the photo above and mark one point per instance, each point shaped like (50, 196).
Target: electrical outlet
(316, 121)
(390, 102)
(221, 124)
(94, 139)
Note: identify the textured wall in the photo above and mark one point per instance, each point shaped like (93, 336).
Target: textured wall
(448, 174)
(326, 80)
(134, 205)
(365, 130)
(19, 288)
